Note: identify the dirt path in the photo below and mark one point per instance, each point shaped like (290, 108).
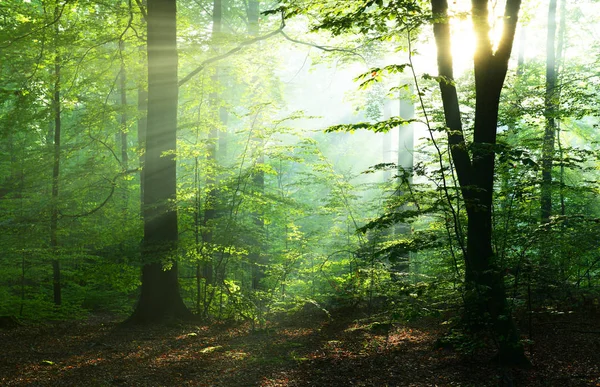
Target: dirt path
(343, 352)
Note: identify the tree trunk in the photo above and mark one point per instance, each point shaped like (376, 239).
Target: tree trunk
(56, 106)
(554, 47)
(559, 59)
(123, 139)
(386, 143)
(160, 298)
(142, 124)
(256, 256)
(210, 211)
(485, 300)
(405, 161)
(550, 108)
(253, 15)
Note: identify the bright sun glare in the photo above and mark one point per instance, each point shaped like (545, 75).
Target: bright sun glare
(463, 37)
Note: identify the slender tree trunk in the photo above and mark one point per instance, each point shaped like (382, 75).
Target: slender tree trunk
(123, 91)
(253, 15)
(554, 48)
(521, 57)
(405, 166)
(56, 107)
(124, 146)
(256, 256)
(485, 299)
(386, 143)
(200, 295)
(210, 210)
(550, 108)
(160, 298)
(142, 123)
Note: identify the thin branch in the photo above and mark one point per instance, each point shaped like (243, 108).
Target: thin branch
(249, 42)
(142, 10)
(455, 217)
(110, 195)
(54, 21)
(229, 53)
(129, 21)
(323, 48)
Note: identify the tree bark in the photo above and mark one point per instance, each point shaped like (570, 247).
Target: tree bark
(160, 298)
(485, 298)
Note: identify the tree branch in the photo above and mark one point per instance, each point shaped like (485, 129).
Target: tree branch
(249, 42)
(229, 53)
(110, 195)
(142, 10)
(323, 48)
(54, 21)
(456, 139)
(511, 17)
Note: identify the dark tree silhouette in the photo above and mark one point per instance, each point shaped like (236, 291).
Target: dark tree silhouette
(485, 292)
(160, 298)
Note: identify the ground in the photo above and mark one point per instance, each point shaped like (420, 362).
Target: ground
(344, 351)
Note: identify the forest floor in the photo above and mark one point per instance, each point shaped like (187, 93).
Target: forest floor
(344, 351)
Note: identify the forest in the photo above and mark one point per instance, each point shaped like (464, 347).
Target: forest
(299, 193)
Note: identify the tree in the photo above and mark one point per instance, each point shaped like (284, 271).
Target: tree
(550, 104)
(256, 257)
(56, 110)
(485, 300)
(160, 298)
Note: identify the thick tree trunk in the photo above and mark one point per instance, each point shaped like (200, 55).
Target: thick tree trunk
(160, 298)
(485, 300)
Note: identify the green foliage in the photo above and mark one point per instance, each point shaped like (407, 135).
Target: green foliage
(274, 216)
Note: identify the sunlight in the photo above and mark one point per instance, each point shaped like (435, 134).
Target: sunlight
(463, 37)
(463, 44)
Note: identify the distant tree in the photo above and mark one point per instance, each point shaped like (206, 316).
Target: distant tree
(56, 153)
(550, 109)
(256, 254)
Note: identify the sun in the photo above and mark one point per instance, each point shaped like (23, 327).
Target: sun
(463, 36)
(463, 43)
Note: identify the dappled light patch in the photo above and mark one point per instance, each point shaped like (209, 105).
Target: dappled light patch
(297, 332)
(281, 381)
(236, 355)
